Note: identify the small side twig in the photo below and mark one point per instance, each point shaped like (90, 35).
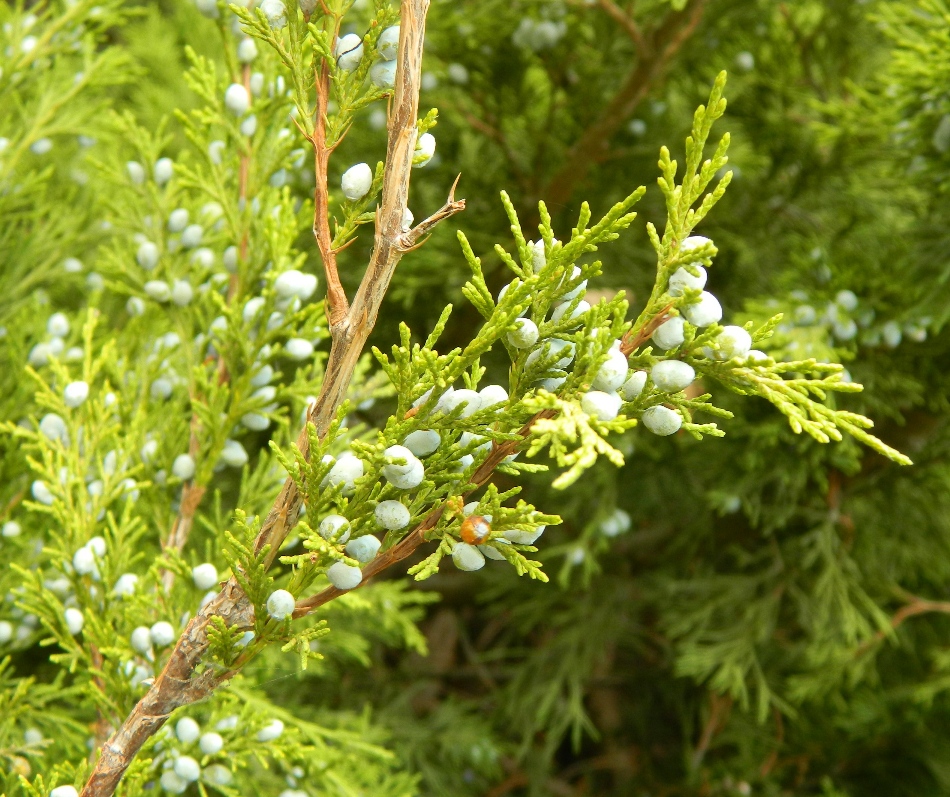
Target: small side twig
(13, 503)
(719, 707)
(413, 238)
(634, 340)
(192, 495)
(769, 764)
(102, 727)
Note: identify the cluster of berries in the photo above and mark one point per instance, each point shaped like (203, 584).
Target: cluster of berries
(846, 320)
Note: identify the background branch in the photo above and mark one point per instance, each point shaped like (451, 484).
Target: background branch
(719, 708)
(625, 20)
(193, 493)
(915, 607)
(593, 145)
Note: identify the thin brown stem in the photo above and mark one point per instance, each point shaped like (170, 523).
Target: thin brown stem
(514, 781)
(13, 503)
(244, 174)
(634, 340)
(191, 497)
(769, 764)
(337, 304)
(518, 779)
(102, 728)
(244, 178)
(192, 493)
(719, 707)
(487, 122)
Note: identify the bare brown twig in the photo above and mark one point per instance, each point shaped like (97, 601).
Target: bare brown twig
(412, 238)
(178, 684)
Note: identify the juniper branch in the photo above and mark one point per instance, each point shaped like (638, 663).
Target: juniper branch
(178, 685)
(408, 545)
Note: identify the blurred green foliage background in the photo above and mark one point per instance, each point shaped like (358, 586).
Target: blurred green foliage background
(774, 620)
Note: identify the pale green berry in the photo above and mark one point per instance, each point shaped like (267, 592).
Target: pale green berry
(633, 387)
(601, 405)
(388, 44)
(280, 604)
(467, 557)
(344, 576)
(357, 181)
(392, 515)
(672, 376)
(524, 335)
(662, 420)
(703, 312)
